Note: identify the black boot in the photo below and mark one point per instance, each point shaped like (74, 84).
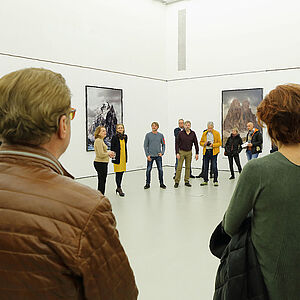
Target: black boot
(119, 190)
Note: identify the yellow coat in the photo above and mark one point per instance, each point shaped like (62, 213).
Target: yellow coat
(217, 141)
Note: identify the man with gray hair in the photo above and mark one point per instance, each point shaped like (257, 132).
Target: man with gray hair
(211, 142)
(254, 140)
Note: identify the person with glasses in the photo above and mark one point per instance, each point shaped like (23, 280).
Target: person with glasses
(58, 237)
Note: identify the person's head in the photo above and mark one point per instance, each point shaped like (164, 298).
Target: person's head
(35, 107)
(154, 126)
(210, 126)
(187, 125)
(120, 128)
(250, 126)
(235, 131)
(100, 132)
(280, 111)
(181, 123)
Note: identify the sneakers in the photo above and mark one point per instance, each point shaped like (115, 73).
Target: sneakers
(163, 186)
(232, 177)
(192, 176)
(216, 183)
(204, 183)
(176, 185)
(174, 176)
(188, 184)
(147, 186)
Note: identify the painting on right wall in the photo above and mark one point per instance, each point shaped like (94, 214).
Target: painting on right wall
(239, 108)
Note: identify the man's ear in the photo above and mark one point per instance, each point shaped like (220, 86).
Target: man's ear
(62, 131)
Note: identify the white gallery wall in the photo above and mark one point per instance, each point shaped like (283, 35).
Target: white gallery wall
(110, 35)
(132, 45)
(239, 39)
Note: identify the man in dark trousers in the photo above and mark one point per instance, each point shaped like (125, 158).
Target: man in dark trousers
(184, 143)
(176, 132)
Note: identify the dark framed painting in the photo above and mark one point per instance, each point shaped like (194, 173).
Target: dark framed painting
(104, 107)
(238, 109)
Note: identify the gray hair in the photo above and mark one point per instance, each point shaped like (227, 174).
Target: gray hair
(210, 123)
(187, 122)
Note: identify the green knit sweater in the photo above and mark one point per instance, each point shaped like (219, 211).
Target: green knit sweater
(271, 187)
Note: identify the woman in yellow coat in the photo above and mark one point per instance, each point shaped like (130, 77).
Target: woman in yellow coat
(119, 146)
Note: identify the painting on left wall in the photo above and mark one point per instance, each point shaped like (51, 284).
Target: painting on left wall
(104, 107)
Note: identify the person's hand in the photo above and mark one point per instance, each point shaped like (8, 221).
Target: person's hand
(211, 145)
(111, 154)
(250, 145)
(197, 156)
(178, 156)
(205, 144)
(148, 158)
(159, 154)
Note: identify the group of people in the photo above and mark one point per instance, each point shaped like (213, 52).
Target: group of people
(59, 238)
(186, 138)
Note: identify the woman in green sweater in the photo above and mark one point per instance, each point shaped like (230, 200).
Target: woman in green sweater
(270, 187)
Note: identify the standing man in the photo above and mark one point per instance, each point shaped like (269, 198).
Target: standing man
(176, 132)
(58, 237)
(184, 143)
(211, 142)
(154, 146)
(255, 141)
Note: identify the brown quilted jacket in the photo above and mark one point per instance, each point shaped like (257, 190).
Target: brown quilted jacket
(58, 238)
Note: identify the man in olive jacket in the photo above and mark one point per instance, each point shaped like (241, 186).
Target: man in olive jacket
(58, 238)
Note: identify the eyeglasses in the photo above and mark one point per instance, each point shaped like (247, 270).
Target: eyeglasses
(72, 113)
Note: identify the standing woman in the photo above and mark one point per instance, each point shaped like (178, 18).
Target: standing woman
(119, 146)
(232, 149)
(102, 157)
(269, 187)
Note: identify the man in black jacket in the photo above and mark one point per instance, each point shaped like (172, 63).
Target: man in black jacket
(255, 141)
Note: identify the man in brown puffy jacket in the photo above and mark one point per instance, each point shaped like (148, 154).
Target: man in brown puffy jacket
(58, 238)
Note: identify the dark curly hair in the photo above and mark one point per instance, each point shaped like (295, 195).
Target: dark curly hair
(280, 111)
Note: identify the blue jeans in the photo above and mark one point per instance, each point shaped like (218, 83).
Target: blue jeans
(158, 160)
(250, 155)
(213, 158)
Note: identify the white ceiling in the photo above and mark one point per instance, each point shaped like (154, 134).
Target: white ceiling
(169, 1)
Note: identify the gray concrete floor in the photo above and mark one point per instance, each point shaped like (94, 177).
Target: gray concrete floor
(166, 233)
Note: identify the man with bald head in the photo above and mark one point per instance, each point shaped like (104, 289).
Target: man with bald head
(255, 141)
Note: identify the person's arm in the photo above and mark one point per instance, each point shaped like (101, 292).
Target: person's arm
(217, 142)
(203, 139)
(177, 143)
(175, 133)
(195, 141)
(240, 145)
(258, 141)
(163, 144)
(114, 141)
(102, 262)
(99, 149)
(244, 197)
(146, 145)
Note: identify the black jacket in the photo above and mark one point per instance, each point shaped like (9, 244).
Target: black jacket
(115, 146)
(233, 145)
(256, 141)
(239, 276)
